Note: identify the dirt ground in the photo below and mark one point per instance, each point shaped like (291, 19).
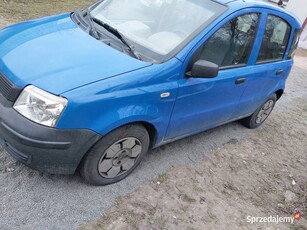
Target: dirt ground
(261, 174)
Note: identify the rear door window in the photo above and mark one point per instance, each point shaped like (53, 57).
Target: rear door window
(275, 39)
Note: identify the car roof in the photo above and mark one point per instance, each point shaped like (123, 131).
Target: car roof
(225, 2)
(256, 3)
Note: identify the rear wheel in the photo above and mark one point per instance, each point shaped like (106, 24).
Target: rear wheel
(261, 114)
(116, 155)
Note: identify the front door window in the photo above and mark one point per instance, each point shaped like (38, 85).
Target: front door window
(232, 43)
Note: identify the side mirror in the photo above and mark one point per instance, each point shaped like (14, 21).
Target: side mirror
(203, 69)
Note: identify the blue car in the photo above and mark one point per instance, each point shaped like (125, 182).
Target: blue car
(93, 90)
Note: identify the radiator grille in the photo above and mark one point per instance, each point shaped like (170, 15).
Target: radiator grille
(8, 89)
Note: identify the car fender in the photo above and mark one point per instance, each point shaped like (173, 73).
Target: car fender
(131, 97)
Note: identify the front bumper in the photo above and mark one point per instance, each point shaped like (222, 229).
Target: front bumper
(45, 149)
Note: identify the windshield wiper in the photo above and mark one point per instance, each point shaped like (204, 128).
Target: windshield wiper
(119, 36)
(93, 31)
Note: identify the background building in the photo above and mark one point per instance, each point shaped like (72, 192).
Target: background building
(299, 8)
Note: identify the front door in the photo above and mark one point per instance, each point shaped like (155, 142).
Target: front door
(203, 103)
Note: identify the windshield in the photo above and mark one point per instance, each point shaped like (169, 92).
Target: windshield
(157, 27)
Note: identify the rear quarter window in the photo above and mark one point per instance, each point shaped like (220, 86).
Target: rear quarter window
(294, 44)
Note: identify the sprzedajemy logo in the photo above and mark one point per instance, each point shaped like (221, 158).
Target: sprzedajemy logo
(273, 219)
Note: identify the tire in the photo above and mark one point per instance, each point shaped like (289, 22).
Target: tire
(261, 114)
(115, 155)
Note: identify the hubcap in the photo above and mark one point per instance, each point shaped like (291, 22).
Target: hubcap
(265, 111)
(119, 157)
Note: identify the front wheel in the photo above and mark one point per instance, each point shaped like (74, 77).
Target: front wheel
(261, 114)
(116, 155)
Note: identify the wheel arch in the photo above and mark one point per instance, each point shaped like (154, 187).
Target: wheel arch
(151, 129)
(152, 132)
(279, 93)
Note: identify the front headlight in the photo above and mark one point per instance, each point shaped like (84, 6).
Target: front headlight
(40, 106)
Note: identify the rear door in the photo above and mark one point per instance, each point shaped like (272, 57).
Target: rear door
(272, 61)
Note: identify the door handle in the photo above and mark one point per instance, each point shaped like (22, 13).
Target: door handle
(240, 80)
(278, 72)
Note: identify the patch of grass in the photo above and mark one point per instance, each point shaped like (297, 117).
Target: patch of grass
(119, 199)
(186, 198)
(20, 10)
(163, 178)
(196, 186)
(133, 218)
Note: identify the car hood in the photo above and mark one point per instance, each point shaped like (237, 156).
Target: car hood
(54, 54)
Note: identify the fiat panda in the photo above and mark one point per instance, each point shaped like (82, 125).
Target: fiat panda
(94, 90)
